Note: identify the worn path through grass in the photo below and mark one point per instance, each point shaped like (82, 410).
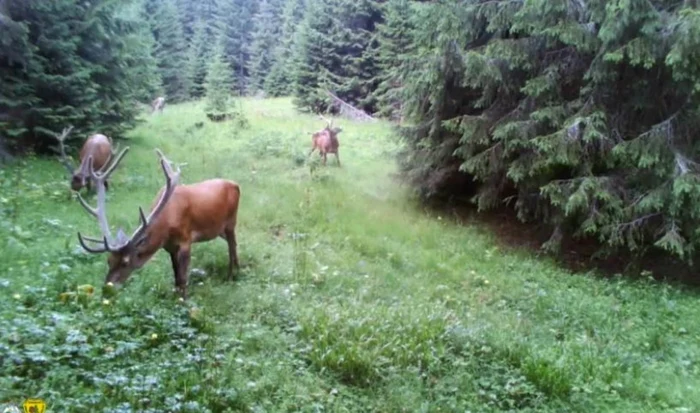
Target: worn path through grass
(351, 298)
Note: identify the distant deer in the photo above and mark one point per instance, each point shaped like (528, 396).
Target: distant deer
(180, 216)
(158, 104)
(97, 147)
(326, 140)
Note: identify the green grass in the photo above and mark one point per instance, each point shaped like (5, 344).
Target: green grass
(351, 298)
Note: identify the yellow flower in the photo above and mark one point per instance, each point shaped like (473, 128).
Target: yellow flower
(105, 302)
(87, 289)
(154, 336)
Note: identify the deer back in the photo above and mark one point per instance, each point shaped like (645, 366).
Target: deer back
(326, 140)
(195, 212)
(99, 147)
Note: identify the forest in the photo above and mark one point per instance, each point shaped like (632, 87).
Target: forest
(378, 284)
(578, 116)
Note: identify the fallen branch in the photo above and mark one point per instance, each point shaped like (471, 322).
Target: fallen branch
(349, 111)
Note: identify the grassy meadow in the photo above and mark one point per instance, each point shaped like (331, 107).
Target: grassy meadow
(350, 298)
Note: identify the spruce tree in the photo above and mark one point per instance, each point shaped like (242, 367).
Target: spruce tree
(142, 64)
(313, 57)
(393, 43)
(280, 80)
(197, 59)
(58, 72)
(171, 49)
(581, 116)
(236, 27)
(218, 85)
(334, 54)
(263, 39)
(17, 95)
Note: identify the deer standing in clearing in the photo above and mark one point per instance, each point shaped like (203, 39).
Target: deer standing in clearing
(180, 216)
(97, 147)
(158, 104)
(326, 141)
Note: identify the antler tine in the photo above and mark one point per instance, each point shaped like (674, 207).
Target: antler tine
(329, 123)
(92, 250)
(172, 179)
(113, 162)
(100, 211)
(112, 153)
(61, 138)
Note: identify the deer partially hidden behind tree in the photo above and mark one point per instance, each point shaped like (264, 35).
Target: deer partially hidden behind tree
(158, 104)
(180, 216)
(326, 140)
(97, 147)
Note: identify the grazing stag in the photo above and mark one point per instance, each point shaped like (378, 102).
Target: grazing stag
(158, 104)
(180, 216)
(97, 147)
(326, 140)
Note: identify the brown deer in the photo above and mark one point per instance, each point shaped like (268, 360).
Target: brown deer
(98, 147)
(180, 216)
(158, 104)
(326, 140)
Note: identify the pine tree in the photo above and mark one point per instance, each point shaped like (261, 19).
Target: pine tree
(394, 39)
(334, 54)
(236, 26)
(17, 95)
(313, 57)
(219, 84)
(142, 65)
(197, 60)
(280, 80)
(59, 72)
(263, 39)
(583, 114)
(171, 49)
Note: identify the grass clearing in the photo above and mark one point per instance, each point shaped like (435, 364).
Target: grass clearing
(350, 297)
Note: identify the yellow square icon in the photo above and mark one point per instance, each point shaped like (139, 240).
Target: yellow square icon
(34, 406)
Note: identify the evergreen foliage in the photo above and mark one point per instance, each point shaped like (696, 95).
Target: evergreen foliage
(583, 114)
(237, 27)
(334, 54)
(392, 47)
(580, 115)
(70, 62)
(171, 49)
(198, 58)
(280, 80)
(265, 35)
(218, 84)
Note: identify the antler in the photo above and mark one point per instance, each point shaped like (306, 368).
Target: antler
(172, 178)
(328, 122)
(61, 138)
(111, 158)
(100, 211)
(108, 244)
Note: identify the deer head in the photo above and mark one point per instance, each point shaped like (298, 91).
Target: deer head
(329, 126)
(81, 175)
(125, 252)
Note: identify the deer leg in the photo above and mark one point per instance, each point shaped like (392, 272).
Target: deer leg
(180, 259)
(230, 236)
(337, 157)
(106, 186)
